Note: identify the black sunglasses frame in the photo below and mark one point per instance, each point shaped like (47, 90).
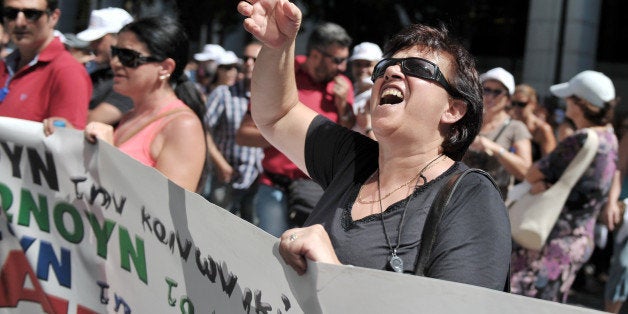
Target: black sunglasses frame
(416, 67)
(519, 104)
(335, 60)
(246, 58)
(32, 15)
(131, 58)
(493, 92)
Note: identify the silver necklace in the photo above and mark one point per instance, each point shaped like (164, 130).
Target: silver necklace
(395, 261)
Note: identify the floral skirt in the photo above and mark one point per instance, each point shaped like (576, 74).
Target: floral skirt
(548, 274)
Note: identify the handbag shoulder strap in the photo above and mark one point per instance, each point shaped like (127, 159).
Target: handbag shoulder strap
(435, 214)
(581, 162)
(504, 126)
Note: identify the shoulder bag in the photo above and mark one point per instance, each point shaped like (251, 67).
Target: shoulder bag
(533, 216)
(428, 237)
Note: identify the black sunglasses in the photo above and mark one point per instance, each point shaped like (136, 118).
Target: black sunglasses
(417, 67)
(229, 67)
(519, 104)
(336, 60)
(131, 58)
(247, 58)
(494, 92)
(30, 14)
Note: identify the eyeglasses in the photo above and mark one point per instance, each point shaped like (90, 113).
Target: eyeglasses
(131, 58)
(493, 92)
(229, 67)
(417, 67)
(519, 104)
(334, 59)
(10, 13)
(247, 58)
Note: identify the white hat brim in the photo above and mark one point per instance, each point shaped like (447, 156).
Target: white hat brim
(91, 34)
(561, 90)
(363, 56)
(202, 57)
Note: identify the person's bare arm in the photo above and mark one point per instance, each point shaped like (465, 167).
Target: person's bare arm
(279, 115)
(516, 163)
(249, 135)
(181, 155)
(105, 113)
(610, 214)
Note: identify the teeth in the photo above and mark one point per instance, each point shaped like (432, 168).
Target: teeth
(391, 92)
(391, 96)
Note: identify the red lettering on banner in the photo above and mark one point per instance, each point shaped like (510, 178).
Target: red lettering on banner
(13, 278)
(83, 310)
(15, 271)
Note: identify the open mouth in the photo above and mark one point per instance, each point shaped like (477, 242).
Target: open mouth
(391, 96)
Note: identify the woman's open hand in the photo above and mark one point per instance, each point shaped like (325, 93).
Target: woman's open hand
(273, 22)
(310, 242)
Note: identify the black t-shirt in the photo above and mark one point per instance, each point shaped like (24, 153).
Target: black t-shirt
(473, 243)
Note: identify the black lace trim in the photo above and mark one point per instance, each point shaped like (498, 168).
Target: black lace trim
(348, 223)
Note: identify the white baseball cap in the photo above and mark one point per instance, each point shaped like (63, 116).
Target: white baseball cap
(592, 86)
(71, 41)
(103, 22)
(502, 76)
(227, 57)
(366, 51)
(210, 52)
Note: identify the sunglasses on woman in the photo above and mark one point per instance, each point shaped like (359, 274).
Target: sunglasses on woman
(131, 58)
(492, 92)
(519, 104)
(10, 13)
(417, 67)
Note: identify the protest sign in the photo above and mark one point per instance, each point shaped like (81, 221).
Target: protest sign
(86, 229)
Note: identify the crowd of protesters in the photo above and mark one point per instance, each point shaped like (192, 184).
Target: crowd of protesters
(204, 121)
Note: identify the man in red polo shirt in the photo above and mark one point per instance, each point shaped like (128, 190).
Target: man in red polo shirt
(40, 79)
(322, 87)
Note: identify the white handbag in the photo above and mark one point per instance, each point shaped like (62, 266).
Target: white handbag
(533, 216)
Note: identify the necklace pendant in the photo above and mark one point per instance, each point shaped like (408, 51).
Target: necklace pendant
(396, 262)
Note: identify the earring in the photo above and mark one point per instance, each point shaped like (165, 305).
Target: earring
(164, 76)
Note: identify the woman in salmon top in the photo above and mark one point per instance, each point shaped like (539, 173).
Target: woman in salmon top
(164, 129)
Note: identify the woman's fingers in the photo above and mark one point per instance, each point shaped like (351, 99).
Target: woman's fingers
(95, 130)
(290, 248)
(300, 244)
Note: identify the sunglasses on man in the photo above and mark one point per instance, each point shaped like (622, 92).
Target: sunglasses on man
(131, 58)
(334, 59)
(417, 67)
(10, 13)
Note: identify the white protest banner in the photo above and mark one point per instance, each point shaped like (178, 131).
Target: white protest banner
(86, 229)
